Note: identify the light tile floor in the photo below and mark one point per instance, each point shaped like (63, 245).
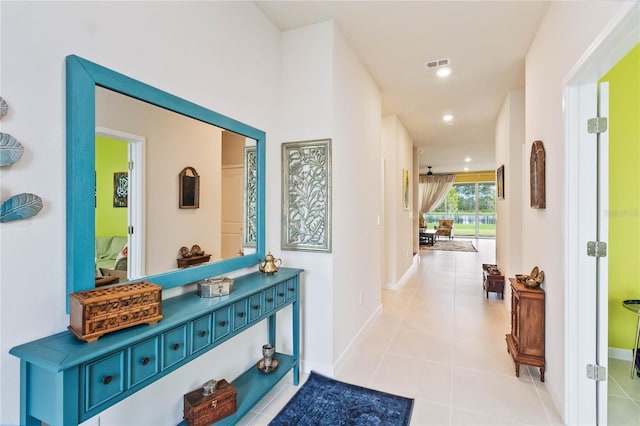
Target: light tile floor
(441, 342)
(624, 394)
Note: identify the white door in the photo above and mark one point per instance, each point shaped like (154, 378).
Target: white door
(232, 211)
(602, 264)
(587, 269)
(586, 196)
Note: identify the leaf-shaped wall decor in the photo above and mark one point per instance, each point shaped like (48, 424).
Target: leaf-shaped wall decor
(10, 149)
(21, 206)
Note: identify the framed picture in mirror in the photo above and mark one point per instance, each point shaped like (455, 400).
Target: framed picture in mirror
(189, 181)
(120, 189)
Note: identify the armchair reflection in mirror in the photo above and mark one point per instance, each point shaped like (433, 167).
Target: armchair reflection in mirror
(90, 89)
(189, 182)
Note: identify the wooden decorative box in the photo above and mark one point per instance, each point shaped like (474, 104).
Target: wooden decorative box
(201, 410)
(103, 310)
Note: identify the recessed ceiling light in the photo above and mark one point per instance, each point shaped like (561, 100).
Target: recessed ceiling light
(467, 160)
(448, 118)
(443, 72)
(466, 169)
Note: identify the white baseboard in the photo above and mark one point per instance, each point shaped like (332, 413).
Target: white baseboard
(343, 356)
(324, 369)
(406, 276)
(623, 354)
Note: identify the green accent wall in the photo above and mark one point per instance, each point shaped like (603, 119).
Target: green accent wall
(624, 196)
(111, 157)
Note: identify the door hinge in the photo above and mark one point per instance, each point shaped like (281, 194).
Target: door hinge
(130, 165)
(597, 125)
(130, 230)
(596, 372)
(596, 249)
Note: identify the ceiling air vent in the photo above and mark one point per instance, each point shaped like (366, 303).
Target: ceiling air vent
(437, 63)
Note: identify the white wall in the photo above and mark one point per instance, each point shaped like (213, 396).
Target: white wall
(328, 94)
(566, 32)
(358, 203)
(508, 145)
(307, 115)
(187, 49)
(397, 154)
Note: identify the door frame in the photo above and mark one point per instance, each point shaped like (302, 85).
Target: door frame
(136, 207)
(615, 41)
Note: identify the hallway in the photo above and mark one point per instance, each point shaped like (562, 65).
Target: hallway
(440, 341)
(445, 347)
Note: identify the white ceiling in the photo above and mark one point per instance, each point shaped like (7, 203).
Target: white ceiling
(486, 41)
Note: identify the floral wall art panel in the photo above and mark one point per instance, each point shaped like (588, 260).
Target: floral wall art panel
(306, 196)
(251, 196)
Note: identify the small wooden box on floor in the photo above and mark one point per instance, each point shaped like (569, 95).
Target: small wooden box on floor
(526, 341)
(106, 309)
(200, 410)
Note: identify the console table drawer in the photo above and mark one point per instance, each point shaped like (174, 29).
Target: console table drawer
(240, 314)
(221, 320)
(281, 294)
(174, 346)
(143, 361)
(104, 379)
(269, 299)
(255, 307)
(291, 290)
(200, 333)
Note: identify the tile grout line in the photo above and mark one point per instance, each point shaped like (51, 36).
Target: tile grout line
(622, 389)
(395, 330)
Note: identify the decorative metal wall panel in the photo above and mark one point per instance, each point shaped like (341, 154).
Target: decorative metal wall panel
(250, 228)
(306, 196)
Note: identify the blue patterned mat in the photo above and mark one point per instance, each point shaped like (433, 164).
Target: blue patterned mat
(325, 401)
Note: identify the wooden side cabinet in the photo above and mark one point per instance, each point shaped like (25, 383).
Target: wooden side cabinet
(65, 381)
(526, 341)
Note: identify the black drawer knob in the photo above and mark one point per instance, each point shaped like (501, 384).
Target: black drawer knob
(292, 290)
(281, 294)
(146, 360)
(256, 307)
(175, 346)
(223, 323)
(241, 314)
(203, 333)
(107, 380)
(270, 299)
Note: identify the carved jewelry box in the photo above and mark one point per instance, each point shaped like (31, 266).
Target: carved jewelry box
(201, 409)
(106, 309)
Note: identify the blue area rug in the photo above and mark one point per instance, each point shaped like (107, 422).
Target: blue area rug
(325, 401)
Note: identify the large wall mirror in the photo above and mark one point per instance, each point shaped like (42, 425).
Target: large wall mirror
(114, 121)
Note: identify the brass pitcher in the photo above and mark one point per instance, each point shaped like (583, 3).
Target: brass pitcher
(269, 266)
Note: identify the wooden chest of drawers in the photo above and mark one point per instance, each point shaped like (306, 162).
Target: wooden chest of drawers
(526, 343)
(103, 310)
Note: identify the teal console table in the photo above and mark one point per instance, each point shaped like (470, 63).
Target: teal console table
(65, 381)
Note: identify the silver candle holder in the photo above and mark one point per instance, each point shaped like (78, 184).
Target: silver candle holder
(267, 355)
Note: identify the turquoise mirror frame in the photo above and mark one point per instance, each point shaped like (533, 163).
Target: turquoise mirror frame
(82, 78)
